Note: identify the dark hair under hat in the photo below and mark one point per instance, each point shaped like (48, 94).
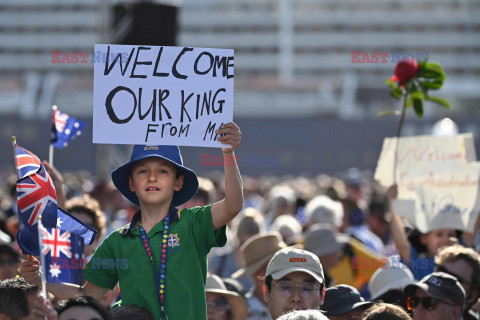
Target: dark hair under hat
(120, 176)
(440, 285)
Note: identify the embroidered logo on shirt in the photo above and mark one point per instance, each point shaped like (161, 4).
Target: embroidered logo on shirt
(173, 240)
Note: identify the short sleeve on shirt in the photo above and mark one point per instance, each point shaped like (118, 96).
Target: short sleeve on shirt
(201, 226)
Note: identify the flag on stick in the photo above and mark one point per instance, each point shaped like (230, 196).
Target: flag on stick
(65, 128)
(36, 197)
(63, 257)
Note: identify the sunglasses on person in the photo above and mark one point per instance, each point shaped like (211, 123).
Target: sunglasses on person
(287, 289)
(428, 303)
(219, 305)
(439, 268)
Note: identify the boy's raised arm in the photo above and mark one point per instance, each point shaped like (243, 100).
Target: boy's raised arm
(226, 209)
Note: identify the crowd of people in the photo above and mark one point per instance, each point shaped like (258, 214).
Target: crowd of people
(225, 248)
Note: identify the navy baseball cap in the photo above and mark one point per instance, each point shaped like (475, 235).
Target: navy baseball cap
(439, 285)
(172, 154)
(342, 299)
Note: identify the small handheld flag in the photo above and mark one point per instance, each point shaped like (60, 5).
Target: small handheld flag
(36, 197)
(63, 258)
(65, 128)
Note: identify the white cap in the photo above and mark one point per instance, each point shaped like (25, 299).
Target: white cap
(391, 276)
(290, 260)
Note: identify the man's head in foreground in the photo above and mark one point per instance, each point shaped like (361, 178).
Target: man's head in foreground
(294, 280)
(438, 296)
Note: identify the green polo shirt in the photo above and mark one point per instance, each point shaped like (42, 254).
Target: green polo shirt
(122, 258)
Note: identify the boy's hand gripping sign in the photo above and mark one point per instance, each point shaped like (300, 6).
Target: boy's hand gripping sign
(161, 95)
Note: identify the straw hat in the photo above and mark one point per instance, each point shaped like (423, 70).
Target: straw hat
(238, 304)
(257, 251)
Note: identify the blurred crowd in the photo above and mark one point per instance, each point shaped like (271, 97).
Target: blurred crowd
(373, 265)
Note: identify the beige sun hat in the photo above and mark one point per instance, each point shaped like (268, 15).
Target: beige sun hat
(257, 251)
(238, 304)
(321, 240)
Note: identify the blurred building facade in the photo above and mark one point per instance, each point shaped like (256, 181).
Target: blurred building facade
(294, 59)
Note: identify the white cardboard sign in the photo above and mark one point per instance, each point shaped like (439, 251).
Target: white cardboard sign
(161, 95)
(437, 180)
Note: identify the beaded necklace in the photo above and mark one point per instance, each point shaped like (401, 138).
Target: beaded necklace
(160, 275)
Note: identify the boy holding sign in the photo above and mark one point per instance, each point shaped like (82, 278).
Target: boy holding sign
(160, 258)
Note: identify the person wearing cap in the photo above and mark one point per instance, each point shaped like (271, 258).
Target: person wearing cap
(464, 264)
(345, 259)
(388, 281)
(256, 253)
(327, 245)
(223, 304)
(438, 296)
(294, 280)
(165, 249)
(343, 302)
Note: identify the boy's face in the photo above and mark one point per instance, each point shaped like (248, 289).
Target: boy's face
(154, 181)
(436, 239)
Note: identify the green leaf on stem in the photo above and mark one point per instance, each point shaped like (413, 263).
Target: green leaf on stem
(433, 85)
(385, 113)
(391, 84)
(443, 102)
(396, 93)
(431, 70)
(418, 107)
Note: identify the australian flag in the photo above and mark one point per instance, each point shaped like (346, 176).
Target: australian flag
(36, 196)
(63, 256)
(65, 129)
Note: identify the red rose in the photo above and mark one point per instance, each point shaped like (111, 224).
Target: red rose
(404, 71)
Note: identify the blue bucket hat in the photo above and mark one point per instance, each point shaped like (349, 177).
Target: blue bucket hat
(172, 154)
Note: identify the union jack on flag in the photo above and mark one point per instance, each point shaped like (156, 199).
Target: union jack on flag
(63, 256)
(59, 119)
(56, 242)
(27, 162)
(36, 196)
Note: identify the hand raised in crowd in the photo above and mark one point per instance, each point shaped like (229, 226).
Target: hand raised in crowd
(57, 180)
(42, 310)
(30, 271)
(229, 133)
(392, 192)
